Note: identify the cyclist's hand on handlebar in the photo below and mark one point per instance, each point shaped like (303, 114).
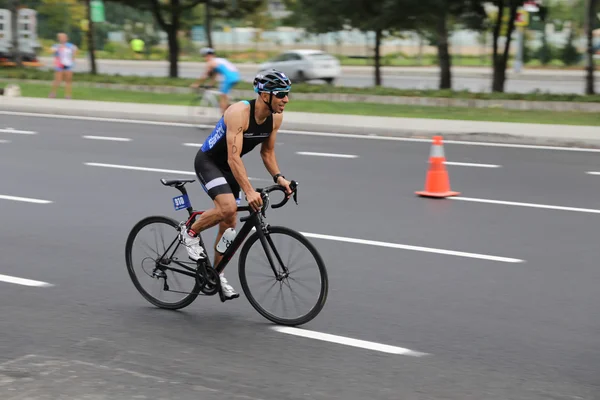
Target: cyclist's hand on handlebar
(254, 200)
(286, 184)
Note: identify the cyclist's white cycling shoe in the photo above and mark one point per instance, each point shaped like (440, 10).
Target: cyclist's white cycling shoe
(192, 245)
(227, 289)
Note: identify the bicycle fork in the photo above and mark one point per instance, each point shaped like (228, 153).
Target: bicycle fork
(267, 243)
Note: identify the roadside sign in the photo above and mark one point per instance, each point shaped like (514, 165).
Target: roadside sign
(522, 18)
(97, 10)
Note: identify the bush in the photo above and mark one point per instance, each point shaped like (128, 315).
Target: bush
(569, 54)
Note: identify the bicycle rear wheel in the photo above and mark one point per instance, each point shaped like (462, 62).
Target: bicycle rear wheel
(204, 109)
(162, 233)
(255, 271)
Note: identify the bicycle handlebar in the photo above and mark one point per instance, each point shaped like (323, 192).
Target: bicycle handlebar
(264, 193)
(267, 190)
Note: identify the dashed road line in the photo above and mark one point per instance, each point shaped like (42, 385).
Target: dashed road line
(24, 282)
(114, 139)
(18, 132)
(24, 199)
(384, 348)
(413, 248)
(334, 155)
(147, 169)
(464, 164)
(532, 205)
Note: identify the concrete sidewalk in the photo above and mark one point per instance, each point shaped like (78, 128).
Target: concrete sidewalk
(505, 132)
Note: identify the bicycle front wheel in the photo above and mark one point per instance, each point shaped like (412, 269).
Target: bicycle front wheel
(151, 253)
(286, 263)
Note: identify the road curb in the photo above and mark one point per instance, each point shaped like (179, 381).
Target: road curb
(495, 132)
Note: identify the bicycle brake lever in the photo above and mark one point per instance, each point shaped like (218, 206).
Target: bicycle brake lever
(295, 192)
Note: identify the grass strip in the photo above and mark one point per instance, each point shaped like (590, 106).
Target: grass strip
(38, 74)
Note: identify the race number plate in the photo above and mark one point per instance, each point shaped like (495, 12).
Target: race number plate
(181, 202)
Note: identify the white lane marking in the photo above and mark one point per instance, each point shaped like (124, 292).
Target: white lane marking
(18, 132)
(24, 199)
(533, 205)
(293, 132)
(593, 173)
(414, 248)
(115, 139)
(102, 119)
(310, 153)
(167, 171)
(24, 282)
(374, 136)
(4, 141)
(464, 164)
(348, 341)
(193, 144)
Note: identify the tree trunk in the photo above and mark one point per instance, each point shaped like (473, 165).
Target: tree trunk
(90, 39)
(589, 26)
(207, 25)
(443, 52)
(378, 34)
(15, 33)
(500, 62)
(172, 33)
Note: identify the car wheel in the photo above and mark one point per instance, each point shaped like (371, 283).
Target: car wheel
(300, 77)
(329, 81)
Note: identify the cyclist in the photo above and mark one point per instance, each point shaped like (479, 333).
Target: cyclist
(217, 65)
(219, 167)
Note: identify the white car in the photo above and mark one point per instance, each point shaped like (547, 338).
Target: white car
(305, 65)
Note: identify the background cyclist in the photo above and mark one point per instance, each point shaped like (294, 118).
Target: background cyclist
(218, 65)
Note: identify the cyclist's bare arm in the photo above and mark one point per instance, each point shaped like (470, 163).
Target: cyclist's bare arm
(267, 150)
(207, 74)
(236, 119)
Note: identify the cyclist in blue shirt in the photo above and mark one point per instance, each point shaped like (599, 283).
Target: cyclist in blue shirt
(218, 65)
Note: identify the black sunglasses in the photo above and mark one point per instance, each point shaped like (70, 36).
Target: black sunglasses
(281, 95)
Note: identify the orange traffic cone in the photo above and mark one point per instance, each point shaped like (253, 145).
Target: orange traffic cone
(437, 183)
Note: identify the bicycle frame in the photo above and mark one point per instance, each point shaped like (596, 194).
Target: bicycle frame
(254, 220)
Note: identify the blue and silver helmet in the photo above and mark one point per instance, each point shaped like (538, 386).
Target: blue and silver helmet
(271, 81)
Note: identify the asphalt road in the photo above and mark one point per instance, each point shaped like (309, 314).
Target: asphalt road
(524, 326)
(360, 77)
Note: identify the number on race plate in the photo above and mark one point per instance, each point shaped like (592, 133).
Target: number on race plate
(180, 202)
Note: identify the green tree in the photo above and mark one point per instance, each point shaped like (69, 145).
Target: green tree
(378, 16)
(501, 22)
(168, 14)
(438, 18)
(63, 15)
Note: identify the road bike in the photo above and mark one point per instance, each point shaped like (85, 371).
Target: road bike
(204, 107)
(163, 259)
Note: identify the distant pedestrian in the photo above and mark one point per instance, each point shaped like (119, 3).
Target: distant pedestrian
(137, 45)
(64, 62)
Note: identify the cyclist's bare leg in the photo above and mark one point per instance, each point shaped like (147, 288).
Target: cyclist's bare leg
(228, 223)
(223, 102)
(58, 77)
(68, 82)
(224, 213)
